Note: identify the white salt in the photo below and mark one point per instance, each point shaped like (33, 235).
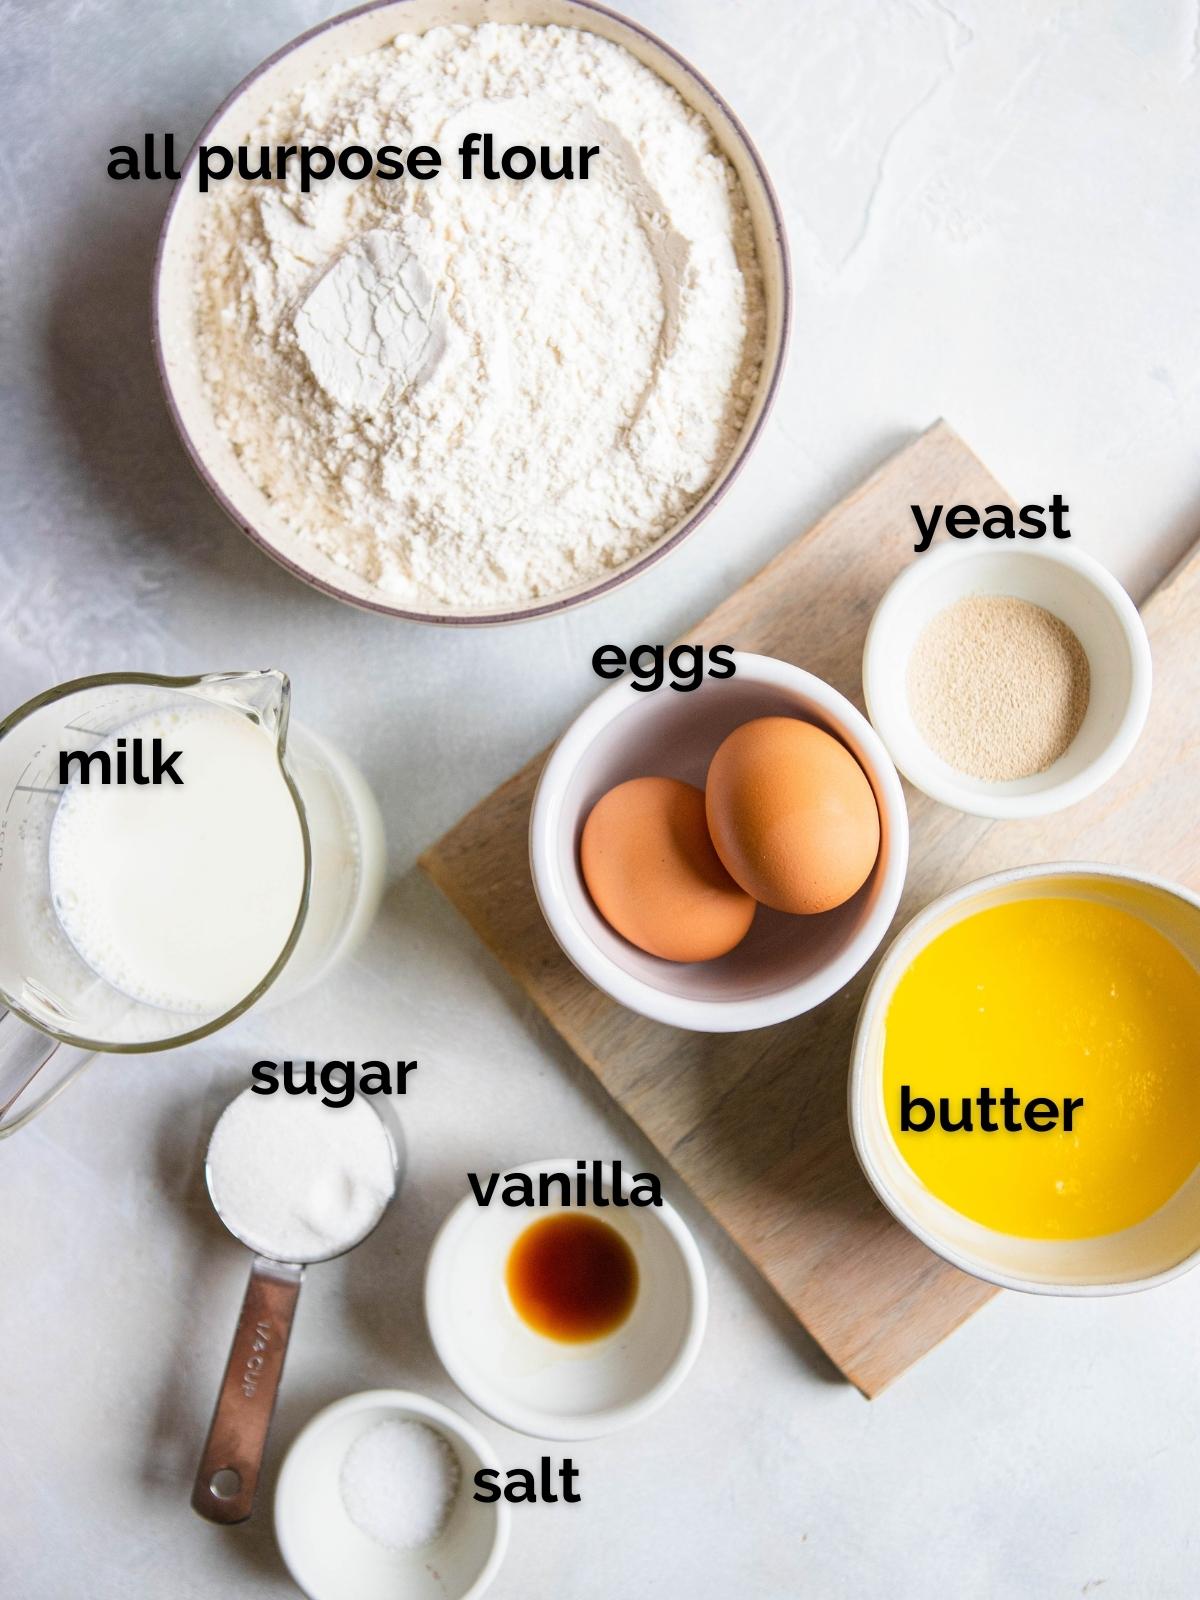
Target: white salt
(399, 1482)
(298, 1180)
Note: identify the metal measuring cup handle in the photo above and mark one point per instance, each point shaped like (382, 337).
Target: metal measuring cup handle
(233, 1452)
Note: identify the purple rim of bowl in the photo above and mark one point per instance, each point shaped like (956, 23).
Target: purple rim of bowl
(542, 608)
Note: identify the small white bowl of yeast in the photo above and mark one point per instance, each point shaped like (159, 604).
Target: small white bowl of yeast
(1072, 587)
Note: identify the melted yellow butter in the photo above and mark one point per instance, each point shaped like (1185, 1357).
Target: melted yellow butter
(1053, 998)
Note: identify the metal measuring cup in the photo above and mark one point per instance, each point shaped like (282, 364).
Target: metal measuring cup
(230, 1463)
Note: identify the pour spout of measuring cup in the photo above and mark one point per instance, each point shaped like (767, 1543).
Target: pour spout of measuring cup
(265, 695)
(35, 1068)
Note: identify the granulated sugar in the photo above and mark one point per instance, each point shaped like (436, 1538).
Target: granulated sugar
(474, 392)
(298, 1180)
(998, 687)
(399, 1482)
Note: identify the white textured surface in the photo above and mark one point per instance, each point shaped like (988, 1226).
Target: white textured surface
(993, 216)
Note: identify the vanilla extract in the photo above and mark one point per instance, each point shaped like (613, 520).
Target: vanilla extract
(571, 1277)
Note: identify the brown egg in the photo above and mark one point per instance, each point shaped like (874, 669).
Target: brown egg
(651, 869)
(792, 815)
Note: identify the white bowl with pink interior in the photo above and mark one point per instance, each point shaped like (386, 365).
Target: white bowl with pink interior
(785, 965)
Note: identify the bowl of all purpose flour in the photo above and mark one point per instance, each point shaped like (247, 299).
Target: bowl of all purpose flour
(477, 398)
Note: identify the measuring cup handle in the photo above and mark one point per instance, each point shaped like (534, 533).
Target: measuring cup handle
(229, 1466)
(34, 1069)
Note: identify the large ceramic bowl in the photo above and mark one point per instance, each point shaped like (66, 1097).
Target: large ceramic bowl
(355, 33)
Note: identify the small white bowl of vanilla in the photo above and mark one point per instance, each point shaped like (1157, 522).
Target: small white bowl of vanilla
(1007, 683)
(573, 1311)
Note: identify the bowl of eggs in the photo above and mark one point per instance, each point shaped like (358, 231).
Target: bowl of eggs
(722, 859)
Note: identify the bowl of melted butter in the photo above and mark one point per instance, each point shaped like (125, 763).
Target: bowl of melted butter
(1025, 1079)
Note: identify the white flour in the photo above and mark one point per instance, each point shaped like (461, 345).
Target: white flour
(476, 392)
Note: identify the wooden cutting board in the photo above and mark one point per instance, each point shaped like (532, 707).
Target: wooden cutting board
(755, 1123)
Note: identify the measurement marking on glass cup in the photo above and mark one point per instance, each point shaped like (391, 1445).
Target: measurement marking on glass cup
(19, 784)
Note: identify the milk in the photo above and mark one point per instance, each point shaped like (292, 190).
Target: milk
(182, 896)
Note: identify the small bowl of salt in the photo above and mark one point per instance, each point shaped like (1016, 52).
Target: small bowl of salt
(375, 1500)
(1007, 682)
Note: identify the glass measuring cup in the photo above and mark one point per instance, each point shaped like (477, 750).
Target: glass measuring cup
(56, 1010)
(230, 1463)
